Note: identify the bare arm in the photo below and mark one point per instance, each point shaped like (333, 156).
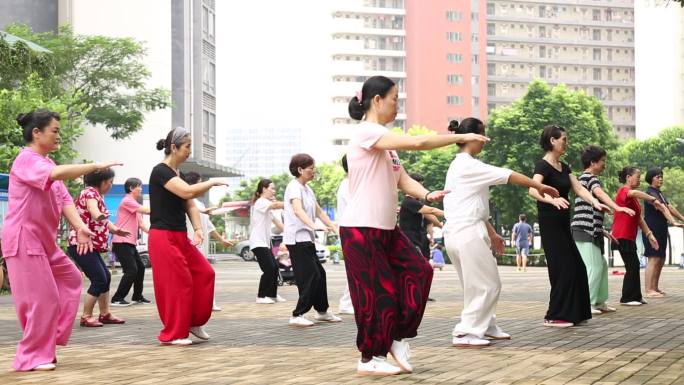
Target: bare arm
(605, 198)
(410, 186)
(276, 206)
(534, 193)
(83, 233)
(393, 141)
(215, 234)
(432, 211)
(301, 214)
(324, 217)
(93, 210)
(143, 226)
(194, 214)
(178, 187)
(143, 210)
(71, 215)
(675, 212)
(73, 171)
(434, 221)
(278, 224)
(641, 195)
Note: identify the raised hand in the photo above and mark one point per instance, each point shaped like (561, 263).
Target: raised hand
(107, 164)
(475, 138)
(560, 203)
(120, 232)
(219, 182)
(84, 240)
(601, 207)
(548, 190)
(625, 210)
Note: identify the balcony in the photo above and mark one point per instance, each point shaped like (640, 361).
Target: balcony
(356, 47)
(493, 58)
(358, 68)
(359, 7)
(629, 24)
(622, 4)
(550, 41)
(359, 27)
(525, 80)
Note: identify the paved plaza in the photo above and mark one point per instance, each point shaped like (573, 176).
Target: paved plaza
(252, 344)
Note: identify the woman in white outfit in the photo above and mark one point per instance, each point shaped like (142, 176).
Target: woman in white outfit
(469, 237)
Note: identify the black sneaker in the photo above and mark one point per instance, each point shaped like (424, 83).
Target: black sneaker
(142, 300)
(121, 303)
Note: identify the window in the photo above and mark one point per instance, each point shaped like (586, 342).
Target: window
(491, 89)
(597, 54)
(596, 15)
(542, 31)
(475, 59)
(598, 93)
(205, 19)
(542, 72)
(454, 79)
(491, 69)
(491, 29)
(454, 57)
(455, 100)
(609, 35)
(473, 37)
(454, 15)
(597, 74)
(542, 51)
(542, 11)
(596, 34)
(490, 9)
(454, 36)
(609, 14)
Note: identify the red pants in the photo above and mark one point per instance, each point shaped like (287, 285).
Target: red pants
(183, 283)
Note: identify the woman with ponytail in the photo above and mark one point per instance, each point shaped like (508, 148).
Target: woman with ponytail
(470, 238)
(389, 280)
(260, 219)
(625, 231)
(183, 279)
(46, 285)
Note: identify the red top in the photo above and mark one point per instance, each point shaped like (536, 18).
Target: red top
(624, 226)
(98, 227)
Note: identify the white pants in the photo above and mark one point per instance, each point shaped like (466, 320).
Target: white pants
(345, 300)
(470, 251)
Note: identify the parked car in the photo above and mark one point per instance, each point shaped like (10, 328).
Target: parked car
(244, 252)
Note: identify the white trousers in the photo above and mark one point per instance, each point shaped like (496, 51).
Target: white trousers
(470, 251)
(345, 300)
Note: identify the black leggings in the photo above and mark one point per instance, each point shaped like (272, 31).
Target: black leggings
(133, 271)
(268, 284)
(631, 283)
(310, 277)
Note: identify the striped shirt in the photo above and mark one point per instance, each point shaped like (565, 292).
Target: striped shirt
(586, 218)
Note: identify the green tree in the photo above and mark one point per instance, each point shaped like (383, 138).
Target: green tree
(248, 187)
(663, 150)
(106, 75)
(18, 62)
(673, 180)
(28, 96)
(328, 179)
(515, 132)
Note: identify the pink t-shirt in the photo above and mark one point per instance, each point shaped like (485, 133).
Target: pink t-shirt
(34, 206)
(373, 178)
(127, 218)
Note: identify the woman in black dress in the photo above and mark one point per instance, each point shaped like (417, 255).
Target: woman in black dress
(657, 220)
(569, 300)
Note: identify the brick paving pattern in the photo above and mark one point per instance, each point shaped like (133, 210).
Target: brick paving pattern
(252, 344)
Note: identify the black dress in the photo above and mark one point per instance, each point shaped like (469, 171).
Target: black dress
(569, 299)
(657, 223)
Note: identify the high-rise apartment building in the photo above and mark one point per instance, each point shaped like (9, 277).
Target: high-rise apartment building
(368, 39)
(446, 63)
(586, 44)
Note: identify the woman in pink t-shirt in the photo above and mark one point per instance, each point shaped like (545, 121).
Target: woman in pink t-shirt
(46, 285)
(388, 279)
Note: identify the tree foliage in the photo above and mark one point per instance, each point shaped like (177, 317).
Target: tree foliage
(515, 132)
(105, 74)
(663, 150)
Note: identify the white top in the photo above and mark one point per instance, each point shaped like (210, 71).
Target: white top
(207, 227)
(469, 180)
(295, 230)
(342, 196)
(260, 219)
(373, 178)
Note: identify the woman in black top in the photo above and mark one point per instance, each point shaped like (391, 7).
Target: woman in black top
(657, 221)
(183, 279)
(569, 299)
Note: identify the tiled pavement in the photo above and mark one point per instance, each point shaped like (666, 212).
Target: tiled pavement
(252, 344)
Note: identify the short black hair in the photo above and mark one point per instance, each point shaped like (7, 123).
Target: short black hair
(592, 154)
(344, 164)
(300, 161)
(550, 131)
(652, 173)
(522, 217)
(39, 118)
(131, 183)
(417, 177)
(95, 179)
(191, 177)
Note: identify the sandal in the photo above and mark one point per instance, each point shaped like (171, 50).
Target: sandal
(655, 294)
(110, 319)
(90, 322)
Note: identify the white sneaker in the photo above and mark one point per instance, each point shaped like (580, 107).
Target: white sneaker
(346, 310)
(278, 298)
(498, 335)
(402, 354)
(595, 310)
(199, 332)
(469, 341)
(632, 303)
(327, 317)
(178, 342)
(300, 321)
(604, 308)
(264, 300)
(44, 367)
(216, 308)
(378, 366)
